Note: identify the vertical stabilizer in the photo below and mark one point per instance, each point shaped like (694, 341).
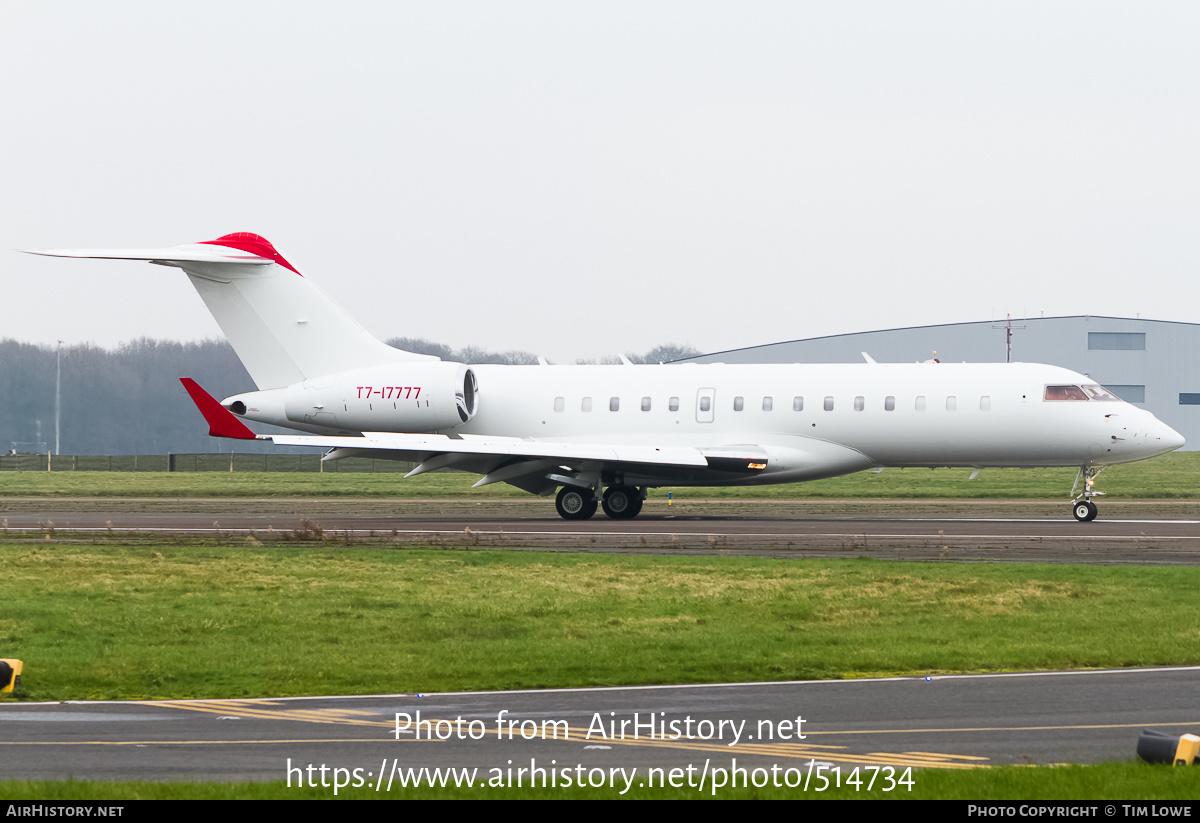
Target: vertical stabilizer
(283, 328)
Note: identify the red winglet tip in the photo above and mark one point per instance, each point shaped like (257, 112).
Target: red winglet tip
(221, 422)
(255, 244)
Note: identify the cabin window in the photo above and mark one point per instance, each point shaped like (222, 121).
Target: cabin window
(560, 403)
(645, 404)
(985, 403)
(768, 403)
(586, 405)
(614, 404)
(673, 404)
(860, 403)
(738, 403)
(705, 404)
(889, 403)
(951, 403)
(920, 404)
(828, 404)
(797, 404)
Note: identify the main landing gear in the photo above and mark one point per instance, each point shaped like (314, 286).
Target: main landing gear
(1082, 506)
(620, 502)
(574, 503)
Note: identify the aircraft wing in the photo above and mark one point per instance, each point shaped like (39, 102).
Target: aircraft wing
(537, 466)
(414, 446)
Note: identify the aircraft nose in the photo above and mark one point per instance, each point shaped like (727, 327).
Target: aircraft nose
(1146, 436)
(1170, 438)
(1161, 438)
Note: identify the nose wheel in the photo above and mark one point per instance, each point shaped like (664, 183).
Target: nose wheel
(1082, 507)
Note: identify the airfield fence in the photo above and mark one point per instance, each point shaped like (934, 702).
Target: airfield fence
(197, 463)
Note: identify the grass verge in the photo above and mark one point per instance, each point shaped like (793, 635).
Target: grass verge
(190, 619)
(1170, 476)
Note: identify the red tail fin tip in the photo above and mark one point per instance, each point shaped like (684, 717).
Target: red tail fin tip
(254, 244)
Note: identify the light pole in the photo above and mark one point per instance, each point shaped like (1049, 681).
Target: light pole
(57, 395)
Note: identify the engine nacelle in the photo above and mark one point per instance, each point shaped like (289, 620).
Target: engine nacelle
(405, 397)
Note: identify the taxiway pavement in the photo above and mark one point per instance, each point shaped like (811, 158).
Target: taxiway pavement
(894, 724)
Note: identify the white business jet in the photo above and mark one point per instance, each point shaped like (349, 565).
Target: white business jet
(603, 435)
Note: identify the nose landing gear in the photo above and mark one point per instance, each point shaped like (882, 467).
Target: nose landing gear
(1082, 506)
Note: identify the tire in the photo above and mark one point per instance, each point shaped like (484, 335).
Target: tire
(1085, 511)
(574, 503)
(622, 502)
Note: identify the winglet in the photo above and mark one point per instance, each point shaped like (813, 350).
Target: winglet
(221, 422)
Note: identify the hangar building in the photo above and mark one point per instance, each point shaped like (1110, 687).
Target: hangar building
(1147, 362)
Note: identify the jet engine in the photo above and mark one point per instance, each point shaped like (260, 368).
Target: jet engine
(405, 397)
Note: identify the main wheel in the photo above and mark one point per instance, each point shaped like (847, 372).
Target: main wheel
(1085, 511)
(622, 502)
(574, 503)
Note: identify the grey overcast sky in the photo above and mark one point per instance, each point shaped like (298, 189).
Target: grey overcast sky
(578, 179)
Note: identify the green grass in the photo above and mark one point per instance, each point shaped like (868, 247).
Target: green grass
(1106, 781)
(1171, 476)
(195, 620)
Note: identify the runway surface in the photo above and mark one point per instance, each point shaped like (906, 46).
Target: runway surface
(894, 724)
(1135, 533)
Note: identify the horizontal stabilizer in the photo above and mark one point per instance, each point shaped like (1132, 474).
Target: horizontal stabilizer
(197, 253)
(243, 248)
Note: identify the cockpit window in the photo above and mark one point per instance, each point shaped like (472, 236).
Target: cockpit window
(1089, 391)
(1065, 393)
